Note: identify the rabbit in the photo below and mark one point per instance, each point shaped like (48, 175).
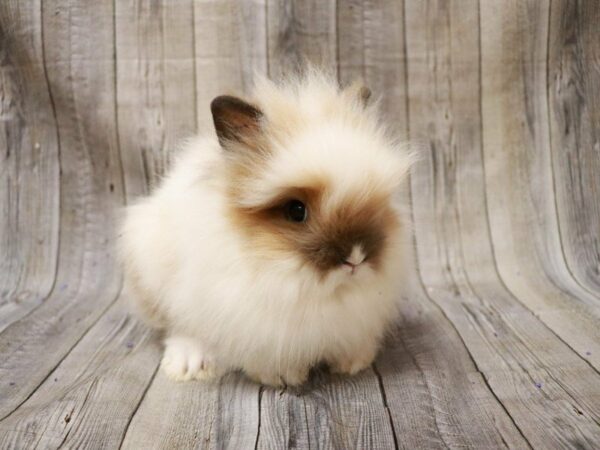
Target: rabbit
(277, 241)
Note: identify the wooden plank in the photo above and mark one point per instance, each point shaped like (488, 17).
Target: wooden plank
(80, 74)
(229, 47)
(237, 424)
(196, 414)
(574, 103)
(435, 393)
(532, 372)
(376, 58)
(174, 416)
(301, 32)
(519, 182)
(156, 97)
(155, 86)
(251, 20)
(330, 412)
(111, 407)
(425, 355)
(88, 400)
(29, 178)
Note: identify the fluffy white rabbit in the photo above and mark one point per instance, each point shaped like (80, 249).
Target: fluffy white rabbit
(277, 242)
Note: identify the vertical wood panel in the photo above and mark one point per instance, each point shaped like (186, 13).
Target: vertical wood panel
(443, 62)
(377, 58)
(524, 233)
(301, 31)
(155, 86)
(574, 90)
(216, 54)
(80, 73)
(251, 19)
(518, 171)
(230, 45)
(29, 171)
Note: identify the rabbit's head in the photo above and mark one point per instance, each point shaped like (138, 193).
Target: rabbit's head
(311, 177)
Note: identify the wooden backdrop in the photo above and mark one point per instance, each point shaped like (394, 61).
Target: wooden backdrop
(499, 344)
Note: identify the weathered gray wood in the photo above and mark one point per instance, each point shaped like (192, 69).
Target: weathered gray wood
(29, 192)
(450, 402)
(299, 32)
(522, 208)
(156, 105)
(229, 46)
(521, 359)
(196, 415)
(80, 76)
(375, 57)
(251, 20)
(88, 400)
(498, 343)
(330, 412)
(574, 103)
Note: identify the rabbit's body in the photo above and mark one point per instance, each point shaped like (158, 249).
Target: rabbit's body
(214, 259)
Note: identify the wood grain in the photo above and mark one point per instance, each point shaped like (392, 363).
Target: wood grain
(574, 115)
(155, 87)
(29, 145)
(301, 32)
(519, 183)
(79, 74)
(377, 59)
(330, 412)
(519, 357)
(228, 49)
(192, 415)
(497, 345)
(88, 399)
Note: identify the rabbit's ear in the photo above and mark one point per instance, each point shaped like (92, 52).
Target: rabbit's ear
(364, 94)
(359, 92)
(235, 120)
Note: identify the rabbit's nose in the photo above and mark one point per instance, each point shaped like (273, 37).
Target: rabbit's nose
(356, 257)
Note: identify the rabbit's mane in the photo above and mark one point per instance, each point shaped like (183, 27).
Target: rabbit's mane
(299, 100)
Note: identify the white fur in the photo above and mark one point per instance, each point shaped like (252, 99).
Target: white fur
(191, 273)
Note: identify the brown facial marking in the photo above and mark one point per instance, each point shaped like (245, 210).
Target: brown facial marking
(330, 238)
(326, 239)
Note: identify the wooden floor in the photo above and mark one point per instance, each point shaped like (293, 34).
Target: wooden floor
(498, 345)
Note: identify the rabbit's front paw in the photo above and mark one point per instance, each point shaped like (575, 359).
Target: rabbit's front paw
(184, 360)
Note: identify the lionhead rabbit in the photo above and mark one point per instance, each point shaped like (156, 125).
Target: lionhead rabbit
(276, 243)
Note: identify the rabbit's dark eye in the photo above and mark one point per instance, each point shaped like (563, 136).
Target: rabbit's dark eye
(295, 211)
